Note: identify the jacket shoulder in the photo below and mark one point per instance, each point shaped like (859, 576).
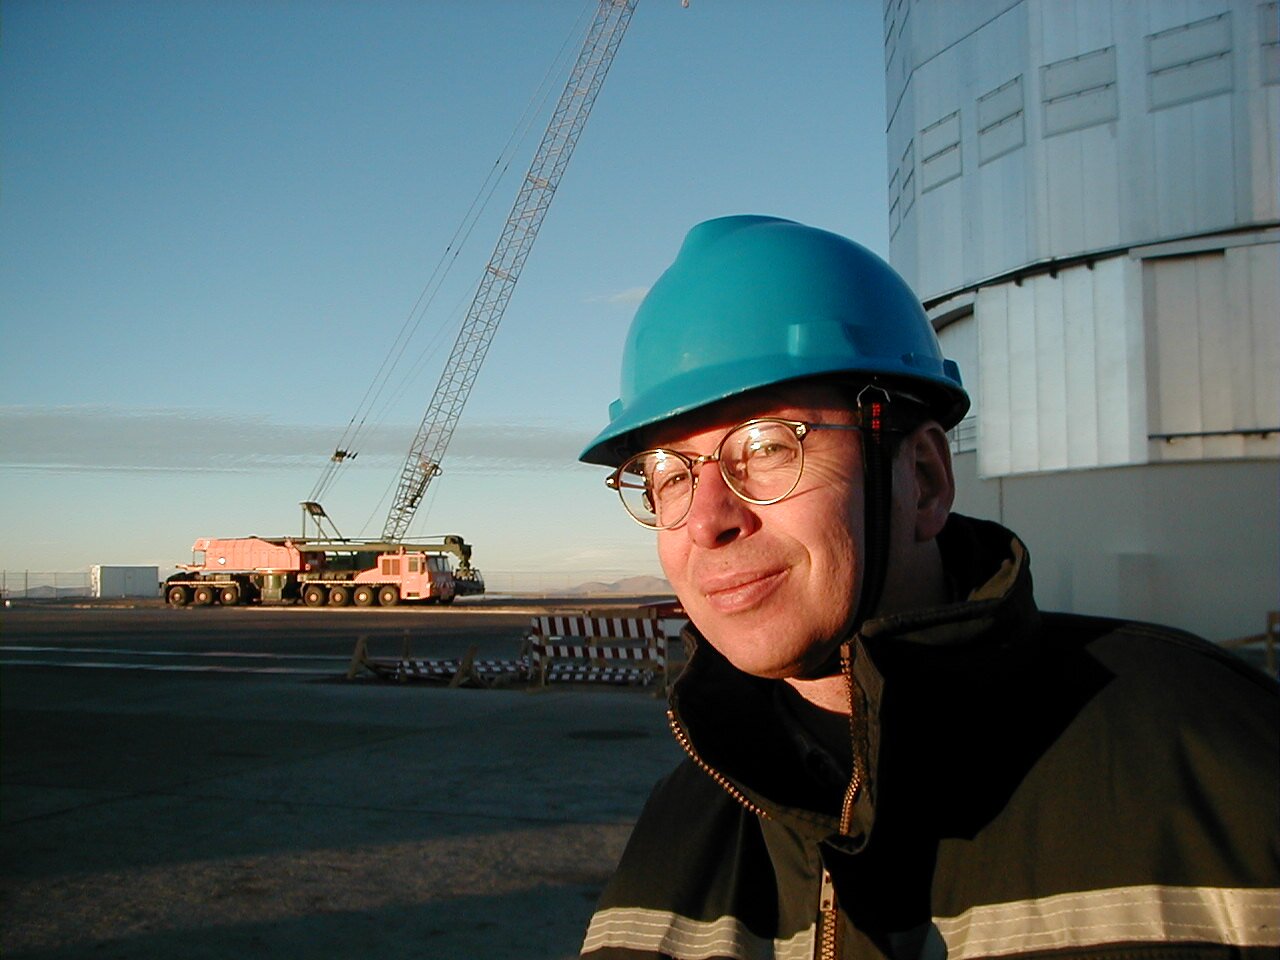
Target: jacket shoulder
(1155, 650)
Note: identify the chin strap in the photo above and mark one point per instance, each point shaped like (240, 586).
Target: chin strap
(877, 465)
(877, 495)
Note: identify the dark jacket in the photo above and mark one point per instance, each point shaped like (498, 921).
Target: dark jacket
(1029, 783)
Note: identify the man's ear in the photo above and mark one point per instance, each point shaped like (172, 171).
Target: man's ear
(927, 453)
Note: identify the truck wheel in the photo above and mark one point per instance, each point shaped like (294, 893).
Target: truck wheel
(447, 600)
(314, 596)
(389, 596)
(364, 596)
(339, 596)
(202, 596)
(178, 596)
(229, 596)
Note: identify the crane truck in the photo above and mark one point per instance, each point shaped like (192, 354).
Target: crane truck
(319, 572)
(336, 571)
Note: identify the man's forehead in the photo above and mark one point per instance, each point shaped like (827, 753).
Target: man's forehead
(797, 400)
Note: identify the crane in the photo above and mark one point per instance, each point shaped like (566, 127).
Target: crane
(498, 280)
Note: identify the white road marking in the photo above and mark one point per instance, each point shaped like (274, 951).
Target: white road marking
(174, 653)
(164, 667)
(54, 654)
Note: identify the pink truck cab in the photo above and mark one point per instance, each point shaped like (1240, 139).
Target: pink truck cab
(420, 576)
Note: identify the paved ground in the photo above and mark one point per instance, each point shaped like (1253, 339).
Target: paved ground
(148, 813)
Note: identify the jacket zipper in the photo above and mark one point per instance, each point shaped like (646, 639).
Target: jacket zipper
(828, 945)
(828, 920)
(682, 738)
(857, 723)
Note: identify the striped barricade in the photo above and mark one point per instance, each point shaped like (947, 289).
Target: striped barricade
(583, 649)
(467, 671)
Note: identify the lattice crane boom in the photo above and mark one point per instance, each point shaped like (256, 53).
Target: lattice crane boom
(498, 281)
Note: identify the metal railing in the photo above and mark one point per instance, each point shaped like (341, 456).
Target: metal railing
(964, 435)
(44, 585)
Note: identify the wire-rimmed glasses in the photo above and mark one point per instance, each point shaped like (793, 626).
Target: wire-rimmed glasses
(761, 461)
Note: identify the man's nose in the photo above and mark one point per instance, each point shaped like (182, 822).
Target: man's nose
(717, 515)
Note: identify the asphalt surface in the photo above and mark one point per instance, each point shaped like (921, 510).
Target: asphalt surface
(206, 783)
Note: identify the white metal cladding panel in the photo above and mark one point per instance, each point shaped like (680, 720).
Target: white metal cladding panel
(1269, 39)
(995, 433)
(1189, 43)
(1214, 360)
(907, 177)
(939, 241)
(942, 242)
(1080, 192)
(1262, 113)
(1000, 104)
(1079, 379)
(1253, 289)
(959, 342)
(1192, 80)
(1060, 374)
(1003, 227)
(960, 235)
(1079, 92)
(998, 190)
(1074, 69)
(1049, 363)
(1024, 392)
(897, 51)
(1197, 166)
(895, 210)
(1001, 120)
(1071, 29)
(1078, 200)
(1121, 360)
(929, 29)
(1079, 74)
(940, 152)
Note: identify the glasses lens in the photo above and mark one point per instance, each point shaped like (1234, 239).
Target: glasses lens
(656, 487)
(762, 460)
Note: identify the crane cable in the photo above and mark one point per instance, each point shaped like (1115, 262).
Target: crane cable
(344, 450)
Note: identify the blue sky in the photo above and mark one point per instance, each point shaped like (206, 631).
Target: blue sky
(216, 217)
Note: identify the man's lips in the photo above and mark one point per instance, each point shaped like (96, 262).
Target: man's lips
(737, 592)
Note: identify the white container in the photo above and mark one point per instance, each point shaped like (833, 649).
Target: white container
(114, 581)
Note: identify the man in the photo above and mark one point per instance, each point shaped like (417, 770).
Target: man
(891, 752)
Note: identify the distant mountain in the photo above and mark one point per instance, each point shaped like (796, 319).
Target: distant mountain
(46, 592)
(627, 587)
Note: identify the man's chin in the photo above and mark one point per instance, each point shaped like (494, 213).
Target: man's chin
(765, 661)
(771, 661)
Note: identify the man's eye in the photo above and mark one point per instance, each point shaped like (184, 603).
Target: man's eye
(767, 453)
(669, 484)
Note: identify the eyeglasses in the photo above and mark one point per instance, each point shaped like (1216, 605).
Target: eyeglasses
(761, 461)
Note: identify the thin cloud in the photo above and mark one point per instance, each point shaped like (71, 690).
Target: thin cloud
(632, 296)
(92, 439)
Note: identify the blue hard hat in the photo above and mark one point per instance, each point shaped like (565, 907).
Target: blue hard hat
(753, 301)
